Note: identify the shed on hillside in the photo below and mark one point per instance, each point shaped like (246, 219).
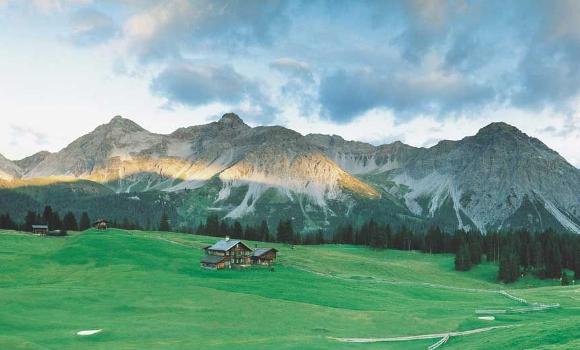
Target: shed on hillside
(100, 224)
(40, 229)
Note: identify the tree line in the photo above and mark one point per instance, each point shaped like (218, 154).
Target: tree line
(54, 221)
(545, 254)
(48, 217)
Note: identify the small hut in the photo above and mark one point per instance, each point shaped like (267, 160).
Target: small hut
(100, 224)
(40, 229)
(264, 256)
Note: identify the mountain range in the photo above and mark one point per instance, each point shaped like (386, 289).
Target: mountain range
(499, 178)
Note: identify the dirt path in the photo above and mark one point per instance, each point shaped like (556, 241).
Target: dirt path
(402, 283)
(439, 343)
(130, 234)
(529, 307)
(445, 336)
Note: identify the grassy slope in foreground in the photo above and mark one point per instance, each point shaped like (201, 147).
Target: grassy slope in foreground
(146, 290)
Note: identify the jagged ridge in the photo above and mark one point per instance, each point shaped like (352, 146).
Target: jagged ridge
(490, 180)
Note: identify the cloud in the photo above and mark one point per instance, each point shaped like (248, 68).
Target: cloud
(337, 61)
(347, 94)
(91, 27)
(196, 85)
(300, 86)
(19, 132)
(175, 27)
(45, 7)
(548, 72)
(293, 68)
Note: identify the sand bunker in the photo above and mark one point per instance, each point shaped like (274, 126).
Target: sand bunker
(89, 332)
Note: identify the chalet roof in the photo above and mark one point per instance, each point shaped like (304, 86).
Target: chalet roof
(262, 251)
(224, 245)
(100, 221)
(40, 226)
(212, 259)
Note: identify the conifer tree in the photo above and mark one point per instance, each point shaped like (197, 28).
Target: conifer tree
(285, 232)
(212, 225)
(319, 237)
(70, 222)
(251, 233)
(564, 280)
(538, 258)
(164, 225)
(348, 234)
(85, 222)
(51, 218)
(237, 231)
(577, 260)
(6, 222)
(378, 237)
(553, 258)
(475, 249)
(223, 228)
(462, 258)
(29, 220)
(264, 232)
(509, 269)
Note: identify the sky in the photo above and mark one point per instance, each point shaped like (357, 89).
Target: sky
(417, 71)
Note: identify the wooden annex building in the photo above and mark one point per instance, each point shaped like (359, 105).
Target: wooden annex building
(40, 229)
(264, 256)
(228, 253)
(101, 224)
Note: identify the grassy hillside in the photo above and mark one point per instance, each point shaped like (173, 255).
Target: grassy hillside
(147, 291)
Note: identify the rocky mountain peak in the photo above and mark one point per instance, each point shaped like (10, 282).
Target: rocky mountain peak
(124, 124)
(499, 128)
(232, 120)
(32, 161)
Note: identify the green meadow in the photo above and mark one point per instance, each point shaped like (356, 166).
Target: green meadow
(146, 290)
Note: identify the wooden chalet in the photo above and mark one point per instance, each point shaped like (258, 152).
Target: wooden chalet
(40, 229)
(227, 253)
(264, 256)
(100, 224)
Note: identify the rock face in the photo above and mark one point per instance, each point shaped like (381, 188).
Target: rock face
(490, 176)
(8, 169)
(126, 157)
(484, 180)
(499, 178)
(28, 163)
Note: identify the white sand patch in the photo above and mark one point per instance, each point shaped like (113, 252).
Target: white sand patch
(486, 318)
(89, 332)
